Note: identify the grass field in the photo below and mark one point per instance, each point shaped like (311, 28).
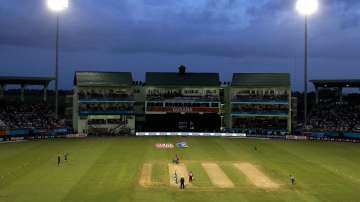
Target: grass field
(109, 169)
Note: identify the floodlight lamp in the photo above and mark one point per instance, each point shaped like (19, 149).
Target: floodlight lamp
(307, 7)
(57, 5)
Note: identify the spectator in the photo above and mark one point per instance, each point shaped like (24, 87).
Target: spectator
(332, 116)
(19, 115)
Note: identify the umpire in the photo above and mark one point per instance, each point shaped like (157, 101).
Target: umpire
(182, 183)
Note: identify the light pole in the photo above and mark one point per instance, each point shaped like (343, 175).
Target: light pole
(306, 8)
(57, 6)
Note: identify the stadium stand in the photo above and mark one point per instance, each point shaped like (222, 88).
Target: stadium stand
(111, 103)
(24, 82)
(182, 101)
(29, 116)
(335, 116)
(103, 103)
(332, 114)
(260, 103)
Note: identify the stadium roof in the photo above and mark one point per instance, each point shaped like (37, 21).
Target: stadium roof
(182, 79)
(86, 78)
(261, 80)
(26, 80)
(355, 83)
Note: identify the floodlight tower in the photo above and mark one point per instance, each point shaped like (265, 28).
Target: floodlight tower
(57, 6)
(306, 8)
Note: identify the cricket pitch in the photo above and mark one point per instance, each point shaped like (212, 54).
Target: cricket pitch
(256, 176)
(181, 171)
(217, 175)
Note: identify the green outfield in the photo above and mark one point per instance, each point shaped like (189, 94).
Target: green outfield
(132, 169)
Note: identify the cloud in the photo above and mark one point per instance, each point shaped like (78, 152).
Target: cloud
(226, 28)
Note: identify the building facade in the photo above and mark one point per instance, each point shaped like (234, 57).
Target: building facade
(103, 103)
(182, 101)
(112, 103)
(260, 103)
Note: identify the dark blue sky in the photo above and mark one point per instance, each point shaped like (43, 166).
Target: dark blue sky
(223, 36)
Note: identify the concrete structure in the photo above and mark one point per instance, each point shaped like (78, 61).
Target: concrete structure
(139, 107)
(24, 82)
(103, 103)
(182, 101)
(339, 85)
(260, 102)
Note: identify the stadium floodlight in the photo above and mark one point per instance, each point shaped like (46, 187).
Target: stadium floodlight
(306, 8)
(57, 6)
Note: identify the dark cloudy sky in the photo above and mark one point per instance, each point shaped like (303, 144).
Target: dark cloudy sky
(223, 36)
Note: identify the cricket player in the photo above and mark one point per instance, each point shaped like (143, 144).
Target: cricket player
(292, 179)
(175, 178)
(182, 183)
(59, 159)
(190, 177)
